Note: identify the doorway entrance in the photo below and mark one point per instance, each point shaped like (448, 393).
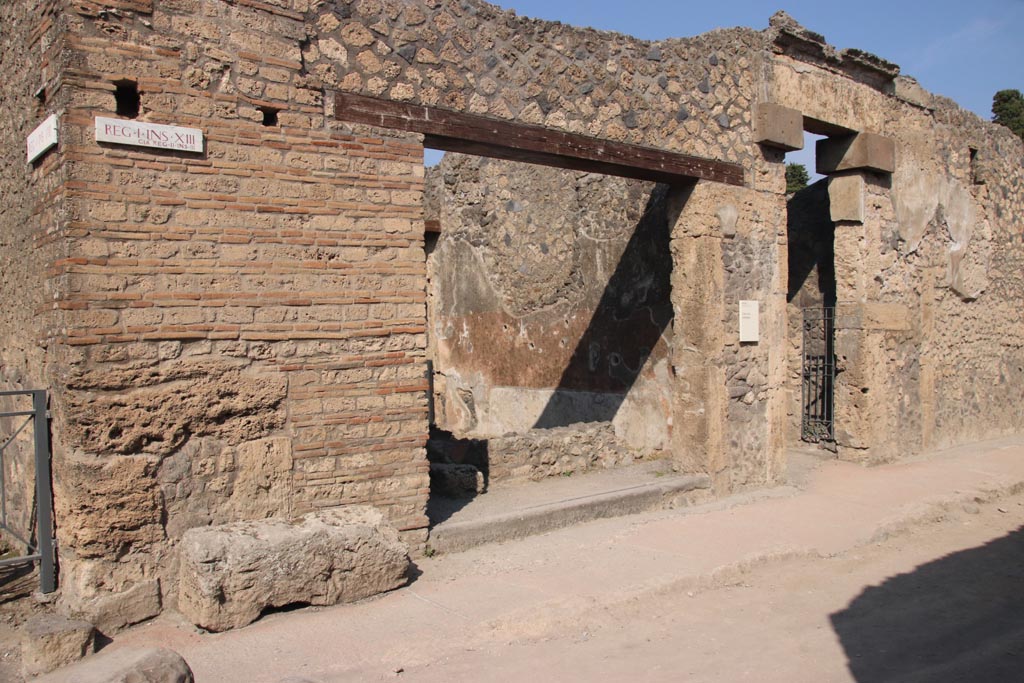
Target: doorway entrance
(817, 423)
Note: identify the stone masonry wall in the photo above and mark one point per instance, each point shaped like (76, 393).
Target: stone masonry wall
(728, 246)
(688, 95)
(252, 319)
(31, 208)
(928, 328)
(549, 301)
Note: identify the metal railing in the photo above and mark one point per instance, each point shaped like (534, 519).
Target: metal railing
(819, 372)
(42, 550)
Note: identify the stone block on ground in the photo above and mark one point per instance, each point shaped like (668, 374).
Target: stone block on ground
(231, 573)
(116, 611)
(50, 641)
(148, 665)
(456, 481)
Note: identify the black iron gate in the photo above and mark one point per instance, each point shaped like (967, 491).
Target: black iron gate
(819, 371)
(40, 548)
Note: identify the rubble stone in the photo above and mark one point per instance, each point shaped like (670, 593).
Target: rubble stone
(549, 300)
(50, 641)
(231, 573)
(148, 665)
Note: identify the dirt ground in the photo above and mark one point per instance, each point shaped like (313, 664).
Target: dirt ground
(942, 602)
(939, 598)
(17, 584)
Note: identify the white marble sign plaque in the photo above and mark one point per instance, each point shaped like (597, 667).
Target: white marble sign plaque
(42, 138)
(750, 321)
(139, 134)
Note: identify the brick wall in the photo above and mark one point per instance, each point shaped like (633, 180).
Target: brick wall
(252, 313)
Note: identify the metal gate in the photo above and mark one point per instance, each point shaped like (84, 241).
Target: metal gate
(41, 550)
(819, 371)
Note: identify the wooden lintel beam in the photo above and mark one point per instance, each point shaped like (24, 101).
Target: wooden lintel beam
(472, 134)
(555, 160)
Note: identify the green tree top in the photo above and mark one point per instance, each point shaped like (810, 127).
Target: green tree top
(796, 178)
(1008, 109)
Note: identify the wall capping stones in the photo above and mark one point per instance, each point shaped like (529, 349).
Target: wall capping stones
(910, 91)
(790, 38)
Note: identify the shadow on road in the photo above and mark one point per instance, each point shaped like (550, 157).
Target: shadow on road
(959, 618)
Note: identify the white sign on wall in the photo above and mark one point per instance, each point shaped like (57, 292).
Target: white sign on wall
(750, 322)
(139, 134)
(42, 138)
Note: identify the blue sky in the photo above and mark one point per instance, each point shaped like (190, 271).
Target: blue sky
(966, 50)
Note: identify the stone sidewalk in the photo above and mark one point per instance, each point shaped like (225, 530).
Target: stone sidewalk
(541, 585)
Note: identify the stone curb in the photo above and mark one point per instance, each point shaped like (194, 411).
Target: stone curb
(939, 509)
(459, 536)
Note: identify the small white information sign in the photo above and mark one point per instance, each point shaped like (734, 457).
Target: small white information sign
(750, 321)
(42, 138)
(139, 134)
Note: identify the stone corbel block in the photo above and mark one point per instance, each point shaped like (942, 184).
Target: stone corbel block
(846, 198)
(778, 126)
(857, 152)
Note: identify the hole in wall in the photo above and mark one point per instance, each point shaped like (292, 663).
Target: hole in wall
(40, 96)
(430, 242)
(126, 97)
(269, 116)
